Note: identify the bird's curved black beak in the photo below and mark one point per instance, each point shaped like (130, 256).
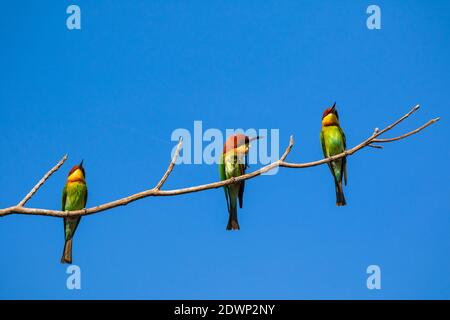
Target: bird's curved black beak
(81, 164)
(333, 107)
(254, 138)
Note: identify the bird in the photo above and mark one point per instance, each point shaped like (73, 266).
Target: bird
(232, 163)
(332, 138)
(74, 197)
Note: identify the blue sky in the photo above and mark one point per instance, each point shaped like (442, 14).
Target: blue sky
(113, 92)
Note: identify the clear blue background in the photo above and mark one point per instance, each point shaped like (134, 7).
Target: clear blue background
(112, 94)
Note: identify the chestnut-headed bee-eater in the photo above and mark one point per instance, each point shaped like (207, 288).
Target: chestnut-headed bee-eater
(332, 138)
(74, 197)
(232, 163)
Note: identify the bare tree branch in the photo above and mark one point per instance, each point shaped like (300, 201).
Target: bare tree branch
(171, 165)
(288, 149)
(156, 191)
(409, 133)
(42, 181)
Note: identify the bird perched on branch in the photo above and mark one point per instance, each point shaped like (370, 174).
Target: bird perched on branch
(74, 197)
(332, 138)
(232, 163)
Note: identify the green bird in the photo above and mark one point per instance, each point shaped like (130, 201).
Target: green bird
(332, 138)
(74, 197)
(232, 163)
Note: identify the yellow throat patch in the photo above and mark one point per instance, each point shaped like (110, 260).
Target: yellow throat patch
(330, 120)
(77, 175)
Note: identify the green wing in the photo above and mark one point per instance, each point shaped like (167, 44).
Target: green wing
(324, 149)
(85, 193)
(224, 177)
(64, 195)
(241, 186)
(322, 142)
(85, 197)
(343, 137)
(71, 224)
(344, 160)
(327, 155)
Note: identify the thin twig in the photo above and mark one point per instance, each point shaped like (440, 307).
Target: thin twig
(288, 149)
(42, 181)
(171, 165)
(389, 127)
(409, 133)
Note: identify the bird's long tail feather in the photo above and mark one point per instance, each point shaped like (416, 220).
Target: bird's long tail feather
(340, 199)
(67, 253)
(233, 220)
